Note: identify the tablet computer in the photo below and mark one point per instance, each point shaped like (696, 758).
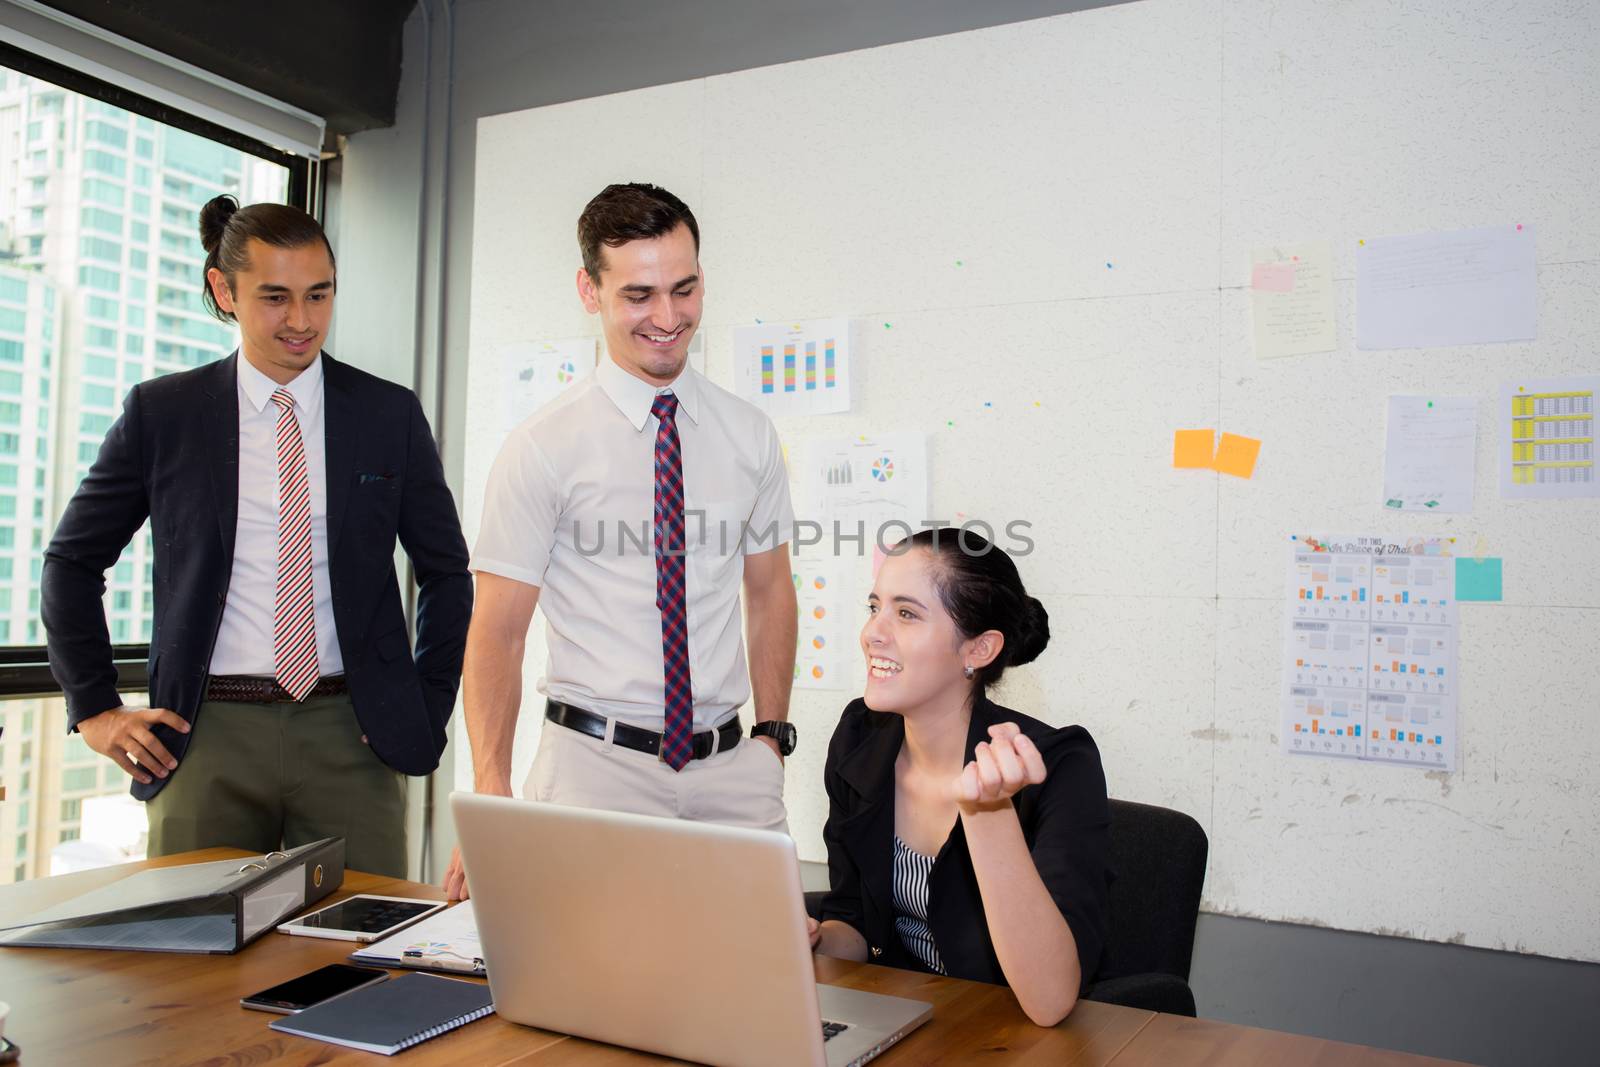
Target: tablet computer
(363, 917)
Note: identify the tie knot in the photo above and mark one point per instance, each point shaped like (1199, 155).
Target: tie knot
(283, 398)
(665, 407)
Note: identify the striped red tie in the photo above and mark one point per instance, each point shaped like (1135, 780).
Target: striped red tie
(677, 735)
(294, 624)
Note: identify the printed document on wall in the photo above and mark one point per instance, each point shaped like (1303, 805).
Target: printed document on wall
(858, 492)
(1291, 299)
(1548, 438)
(794, 368)
(827, 631)
(1434, 290)
(1369, 650)
(1430, 457)
(877, 484)
(533, 373)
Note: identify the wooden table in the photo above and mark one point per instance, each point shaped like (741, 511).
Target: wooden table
(107, 1009)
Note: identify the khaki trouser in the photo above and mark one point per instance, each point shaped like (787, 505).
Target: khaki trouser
(270, 776)
(740, 787)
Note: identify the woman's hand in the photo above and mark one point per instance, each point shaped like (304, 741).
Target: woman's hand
(814, 929)
(1001, 766)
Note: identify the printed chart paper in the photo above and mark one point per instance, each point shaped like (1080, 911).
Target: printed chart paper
(1291, 299)
(798, 368)
(533, 373)
(1431, 290)
(1547, 426)
(1430, 455)
(857, 490)
(1369, 650)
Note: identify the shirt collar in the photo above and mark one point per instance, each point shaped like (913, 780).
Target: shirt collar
(634, 396)
(306, 387)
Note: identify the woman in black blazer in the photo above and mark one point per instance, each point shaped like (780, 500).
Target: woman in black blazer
(962, 837)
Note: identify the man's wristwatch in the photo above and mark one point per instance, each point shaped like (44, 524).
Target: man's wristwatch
(782, 732)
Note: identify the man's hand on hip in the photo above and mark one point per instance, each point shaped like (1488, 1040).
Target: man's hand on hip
(124, 735)
(771, 743)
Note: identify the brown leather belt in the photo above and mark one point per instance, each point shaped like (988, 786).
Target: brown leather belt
(251, 689)
(646, 741)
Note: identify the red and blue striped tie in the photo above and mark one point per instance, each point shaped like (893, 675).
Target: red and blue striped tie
(677, 736)
(294, 622)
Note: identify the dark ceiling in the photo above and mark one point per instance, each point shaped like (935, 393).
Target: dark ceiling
(339, 59)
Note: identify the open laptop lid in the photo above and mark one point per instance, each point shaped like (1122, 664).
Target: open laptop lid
(671, 936)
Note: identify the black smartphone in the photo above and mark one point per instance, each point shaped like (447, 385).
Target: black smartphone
(324, 983)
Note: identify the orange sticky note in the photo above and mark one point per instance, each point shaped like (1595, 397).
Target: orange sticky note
(1236, 455)
(1192, 448)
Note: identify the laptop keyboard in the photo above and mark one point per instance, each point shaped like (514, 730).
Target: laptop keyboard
(832, 1030)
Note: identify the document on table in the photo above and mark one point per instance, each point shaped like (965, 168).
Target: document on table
(1433, 290)
(1429, 459)
(1291, 299)
(445, 941)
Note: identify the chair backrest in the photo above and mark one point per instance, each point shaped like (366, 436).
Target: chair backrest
(1159, 858)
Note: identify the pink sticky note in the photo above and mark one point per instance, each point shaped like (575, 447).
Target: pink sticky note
(1272, 277)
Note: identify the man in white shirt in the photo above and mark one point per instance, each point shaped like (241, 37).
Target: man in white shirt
(286, 704)
(632, 510)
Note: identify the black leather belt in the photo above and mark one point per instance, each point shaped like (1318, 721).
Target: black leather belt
(646, 741)
(252, 689)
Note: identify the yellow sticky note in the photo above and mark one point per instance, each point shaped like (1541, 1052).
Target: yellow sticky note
(1236, 455)
(1192, 448)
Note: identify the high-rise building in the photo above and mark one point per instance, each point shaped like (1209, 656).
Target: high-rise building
(100, 282)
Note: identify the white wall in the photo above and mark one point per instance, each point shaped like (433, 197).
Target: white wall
(1166, 138)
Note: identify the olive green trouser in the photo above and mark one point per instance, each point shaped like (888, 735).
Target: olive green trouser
(270, 776)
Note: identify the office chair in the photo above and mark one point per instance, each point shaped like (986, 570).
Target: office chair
(1159, 859)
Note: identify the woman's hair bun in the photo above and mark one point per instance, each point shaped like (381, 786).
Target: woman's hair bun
(1033, 633)
(214, 219)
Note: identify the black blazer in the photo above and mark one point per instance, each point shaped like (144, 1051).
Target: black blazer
(173, 456)
(1065, 821)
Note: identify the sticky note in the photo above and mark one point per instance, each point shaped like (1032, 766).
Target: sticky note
(1192, 448)
(1236, 455)
(1272, 277)
(1478, 579)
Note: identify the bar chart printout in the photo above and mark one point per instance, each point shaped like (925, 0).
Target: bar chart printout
(1369, 661)
(797, 368)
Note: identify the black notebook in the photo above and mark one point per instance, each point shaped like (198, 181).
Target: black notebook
(393, 1015)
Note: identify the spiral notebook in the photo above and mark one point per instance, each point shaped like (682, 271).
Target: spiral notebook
(392, 1015)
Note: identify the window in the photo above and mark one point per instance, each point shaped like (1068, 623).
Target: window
(100, 337)
(99, 278)
(88, 224)
(98, 218)
(105, 133)
(100, 248)
(105, 163)
(98, 191)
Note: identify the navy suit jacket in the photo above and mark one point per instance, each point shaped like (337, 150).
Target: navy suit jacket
(173, 457)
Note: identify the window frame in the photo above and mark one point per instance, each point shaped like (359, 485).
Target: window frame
(25, 669)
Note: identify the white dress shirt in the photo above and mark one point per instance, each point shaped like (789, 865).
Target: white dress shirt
(245, 641)
(568, 508)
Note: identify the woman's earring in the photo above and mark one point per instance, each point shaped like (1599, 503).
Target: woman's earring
(967, 670)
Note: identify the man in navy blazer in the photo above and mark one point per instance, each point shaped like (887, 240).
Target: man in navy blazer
(286, 703)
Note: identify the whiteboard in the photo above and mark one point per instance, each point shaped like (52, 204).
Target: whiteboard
(1054, 219)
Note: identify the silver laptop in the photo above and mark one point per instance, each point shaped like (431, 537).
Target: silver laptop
(682, 938)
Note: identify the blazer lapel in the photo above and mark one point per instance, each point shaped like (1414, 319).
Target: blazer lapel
(869, 830)
(338, 432)
(221, 415)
